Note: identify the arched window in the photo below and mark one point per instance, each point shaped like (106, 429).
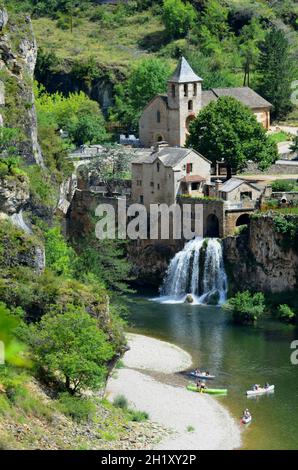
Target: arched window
(195, 89)
(190, 105)
(157, 167)
(173, 91)
(185, 89)
(158, 116)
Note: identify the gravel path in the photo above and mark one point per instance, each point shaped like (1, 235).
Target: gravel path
(198, 421)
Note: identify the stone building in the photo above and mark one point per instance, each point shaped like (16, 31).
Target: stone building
(167, 116)
(160, 175)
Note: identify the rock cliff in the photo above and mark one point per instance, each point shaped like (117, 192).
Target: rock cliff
(18, 52)
(258, 259)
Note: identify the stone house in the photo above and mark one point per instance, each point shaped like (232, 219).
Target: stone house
(167, 116)
(160, 175)
(236, 190)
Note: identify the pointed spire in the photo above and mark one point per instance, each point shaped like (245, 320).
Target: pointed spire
(184, 73)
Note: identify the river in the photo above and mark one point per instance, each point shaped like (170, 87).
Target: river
(239, 356)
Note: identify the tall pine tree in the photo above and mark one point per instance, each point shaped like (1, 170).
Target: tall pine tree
(276, 72)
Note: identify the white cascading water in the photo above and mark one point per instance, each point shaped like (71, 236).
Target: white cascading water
(202, 281)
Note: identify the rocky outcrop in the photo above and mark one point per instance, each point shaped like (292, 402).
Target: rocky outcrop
(18, 52)
(14, 193)
(150, 260)
(258, 259)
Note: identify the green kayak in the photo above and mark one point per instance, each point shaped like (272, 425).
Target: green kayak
(211, 391)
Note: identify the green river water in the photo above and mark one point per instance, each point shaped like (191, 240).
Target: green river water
(239, 356)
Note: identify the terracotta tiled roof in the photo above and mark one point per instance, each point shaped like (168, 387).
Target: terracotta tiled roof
(193, 179)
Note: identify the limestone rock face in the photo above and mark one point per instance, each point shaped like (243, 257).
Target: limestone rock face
(14, 193)
(258, 260)
(18, 53)
(3, 18)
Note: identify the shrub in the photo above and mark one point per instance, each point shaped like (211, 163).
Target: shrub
(138, 416)
(247, 307)
(285, 313)
(78, 408)
(282, 185)
(121, 402)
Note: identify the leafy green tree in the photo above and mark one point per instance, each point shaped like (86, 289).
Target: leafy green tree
(275, 72)
(76, 114)
(246, 307)
(59, 256)
(10, 346)
(226, 129)
(178, 17)
(250, 37)
(70, 346)
(147, 79)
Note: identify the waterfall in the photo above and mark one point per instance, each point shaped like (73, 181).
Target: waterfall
(196, 274)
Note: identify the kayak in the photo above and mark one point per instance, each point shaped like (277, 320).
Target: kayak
(211, 391)
(202, 376)
(260, 391)
(246, 420)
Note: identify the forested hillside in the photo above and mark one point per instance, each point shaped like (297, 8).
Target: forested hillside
(92, 47)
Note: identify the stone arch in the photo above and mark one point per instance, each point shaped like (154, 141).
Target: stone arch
(212, 226)
(243, 219)
(159, 138)
(189, 119)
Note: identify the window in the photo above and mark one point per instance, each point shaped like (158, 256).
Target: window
(142, 199)
(185, 89)
(158, 186)
(246, 195)
(173, 91)
(139, 182)
(158, 116)
(157, 167)
(195, 89)
(188, 168)
(195, 186)
(190, 105)
(152, 184)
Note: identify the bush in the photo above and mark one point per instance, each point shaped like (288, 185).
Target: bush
(247, 307)
(285, 313)
(282, 185)
(78, 408)
(138, 416)
(121, 402)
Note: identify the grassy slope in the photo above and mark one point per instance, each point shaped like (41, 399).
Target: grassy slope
(114, 45)
(33, 420)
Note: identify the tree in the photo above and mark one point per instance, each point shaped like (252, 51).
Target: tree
(226, 129)
(59, 256)
(178, 17)
(71, 347)
(76, 114)
(275, 72)
(147, 79)
(247, 307)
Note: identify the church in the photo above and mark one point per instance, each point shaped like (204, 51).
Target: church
(167, 116)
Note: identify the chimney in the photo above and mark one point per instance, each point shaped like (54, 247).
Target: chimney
(218, 185)
(160, 145)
